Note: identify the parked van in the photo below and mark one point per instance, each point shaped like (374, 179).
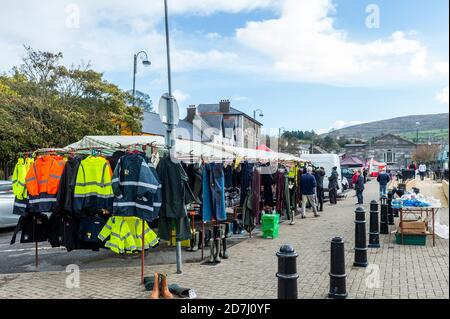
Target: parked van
(327, 161)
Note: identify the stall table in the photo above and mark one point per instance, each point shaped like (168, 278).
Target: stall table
(422, 211)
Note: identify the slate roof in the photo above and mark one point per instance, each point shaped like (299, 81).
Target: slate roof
(215, 108)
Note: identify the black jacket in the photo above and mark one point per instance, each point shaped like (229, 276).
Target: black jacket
(359, 185)
(34, 228)
(333, 180)
(63, 231)
(64, 199)
(320, 174)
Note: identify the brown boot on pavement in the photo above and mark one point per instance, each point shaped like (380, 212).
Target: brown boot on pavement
(165, 293)
(155, 291)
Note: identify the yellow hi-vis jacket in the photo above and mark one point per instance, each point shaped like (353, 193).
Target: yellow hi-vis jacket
(19, 177)
(120, 237)
(135, 226)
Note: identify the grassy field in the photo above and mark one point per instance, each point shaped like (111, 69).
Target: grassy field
(425, 136)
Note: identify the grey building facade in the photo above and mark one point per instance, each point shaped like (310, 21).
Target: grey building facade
(391, 149)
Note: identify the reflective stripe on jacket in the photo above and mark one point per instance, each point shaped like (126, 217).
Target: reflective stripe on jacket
(93, 189)
(118, 236)
(42, 182)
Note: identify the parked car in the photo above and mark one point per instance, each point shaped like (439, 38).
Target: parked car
(348, 174)
(7, 218)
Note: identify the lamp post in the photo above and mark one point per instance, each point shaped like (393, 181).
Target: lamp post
(145, 62)
(417, 135)
(279, 137)
(170, 138)
(261, 114)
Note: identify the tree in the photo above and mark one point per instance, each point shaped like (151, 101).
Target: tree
(143, 101)
(45, 104)
(426, 153)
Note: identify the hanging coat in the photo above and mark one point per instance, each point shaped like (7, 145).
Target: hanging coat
(176, 194)
(256, 194)
(246, 179)
(137, 188)
(66, 190)
(63, 231)
(19, 186)
(42, 183)
(214, 209)
(34, 228)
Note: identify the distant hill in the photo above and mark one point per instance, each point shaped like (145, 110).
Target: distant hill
(404, 126)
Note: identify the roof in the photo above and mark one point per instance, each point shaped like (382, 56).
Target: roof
(393, 136)
(215, 108)
(355, 145)
(152, 125)
(351, 161)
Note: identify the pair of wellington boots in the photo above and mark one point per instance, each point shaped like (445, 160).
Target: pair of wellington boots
(195, 241)
(218, 246)
(160, 287)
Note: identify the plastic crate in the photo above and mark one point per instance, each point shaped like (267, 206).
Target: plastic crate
(269, 221)
(273, 233)
(417, 240)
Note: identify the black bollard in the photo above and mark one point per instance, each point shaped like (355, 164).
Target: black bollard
(384, 227)
(374, 232)
(338, 288)
(390, 210)
(287, 273)
(360, 238)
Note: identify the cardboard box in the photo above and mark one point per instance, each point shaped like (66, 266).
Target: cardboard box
(413, 227)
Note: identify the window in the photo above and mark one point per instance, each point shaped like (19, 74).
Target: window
(389, 157)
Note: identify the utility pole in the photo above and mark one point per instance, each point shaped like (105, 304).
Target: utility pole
(170, 139)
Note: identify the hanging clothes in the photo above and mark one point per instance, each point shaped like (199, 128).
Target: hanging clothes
(19, 185)
(256, 194)
(228, 174)
(114, 159)
(246, 178)
(135, 226)
(214, 193)
(267, 181)
(248, 219)
(93, 190)
(136, 187)
(89, 229)
(176, 194)
(118, 236)
(42, 182)
(34, 228)
(63, 231)
(66, 190)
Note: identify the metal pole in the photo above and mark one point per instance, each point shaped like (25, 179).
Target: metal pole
(143, 252)
(170, 141)
(134, 78)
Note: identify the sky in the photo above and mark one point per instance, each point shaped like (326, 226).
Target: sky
(309, 65)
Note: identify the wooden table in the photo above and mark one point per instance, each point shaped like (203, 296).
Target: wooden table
(420, 210)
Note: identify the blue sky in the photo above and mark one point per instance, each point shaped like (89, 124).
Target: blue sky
(307, 64)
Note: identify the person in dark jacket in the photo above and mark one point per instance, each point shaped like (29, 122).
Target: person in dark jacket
(383, 179)
(359, 188)
(309, 185)
(320, 175)
(333, 186)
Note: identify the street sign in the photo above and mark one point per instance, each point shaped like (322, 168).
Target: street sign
(164, 110)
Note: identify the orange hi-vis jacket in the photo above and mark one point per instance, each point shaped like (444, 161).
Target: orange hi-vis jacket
(42, 183)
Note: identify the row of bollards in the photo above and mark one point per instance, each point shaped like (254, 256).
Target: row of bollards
(287, 265)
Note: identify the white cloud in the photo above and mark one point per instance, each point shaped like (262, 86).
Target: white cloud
(338, 125)
(442, 96)
(305, 45)
(180, 96)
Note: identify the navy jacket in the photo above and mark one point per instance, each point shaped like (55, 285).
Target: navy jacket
(383, 179)
(308, 184)
(136, 187)
(359, 186)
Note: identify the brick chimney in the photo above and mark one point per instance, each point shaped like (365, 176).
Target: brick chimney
(224, 106)
(191, 112)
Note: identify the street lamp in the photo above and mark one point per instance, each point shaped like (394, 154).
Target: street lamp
(417, 135)
(145, 62)
(261, 114)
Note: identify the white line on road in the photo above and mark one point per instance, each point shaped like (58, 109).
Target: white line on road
(30, 249)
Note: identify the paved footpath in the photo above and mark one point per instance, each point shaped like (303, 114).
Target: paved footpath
(406, 272)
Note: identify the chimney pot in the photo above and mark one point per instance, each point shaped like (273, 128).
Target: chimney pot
(224, 106)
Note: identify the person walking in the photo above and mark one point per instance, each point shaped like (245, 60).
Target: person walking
(383, 179)
(422, 170)
(365, 175)
(359, 187)
(309, 185)
(320, 175)
(333, 186)
(413, 167)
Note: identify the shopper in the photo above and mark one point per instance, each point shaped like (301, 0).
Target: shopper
(309, 185)
(333, 186)
(355, 178)
(320, 175)
(413, 167)
(365, 172)
(422, 170)
(359, 187)
(383, 179)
